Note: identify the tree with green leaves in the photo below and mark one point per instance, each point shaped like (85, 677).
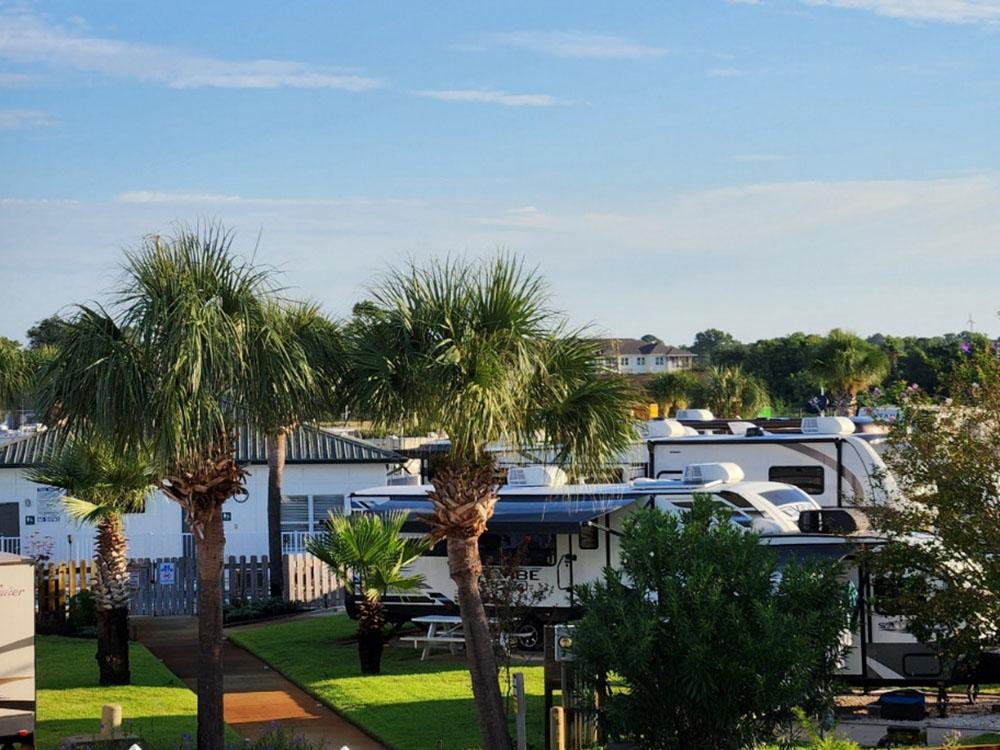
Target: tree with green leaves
(732, 393)
(101, 483)
(472, 349)
(670, 389)
(845, 365)
(370, 555)
(184, 356)
(291, 403)
(714, 643)
(711, 343)
(940, 568)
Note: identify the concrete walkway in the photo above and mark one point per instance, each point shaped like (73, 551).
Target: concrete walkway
(255, 695)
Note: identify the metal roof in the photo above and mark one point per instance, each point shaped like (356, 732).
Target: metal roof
(305, 445)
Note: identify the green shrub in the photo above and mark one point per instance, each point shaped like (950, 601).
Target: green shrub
(82, 613)
(713, 649)
(245, 610)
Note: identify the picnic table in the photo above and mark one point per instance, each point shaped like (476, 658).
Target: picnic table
(442, 630)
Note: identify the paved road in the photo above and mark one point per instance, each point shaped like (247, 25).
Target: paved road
(255, 695)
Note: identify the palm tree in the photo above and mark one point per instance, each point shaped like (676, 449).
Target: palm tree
(369, 555)
(293, 403)
(185, 356)
(670, 389)
(731, 392)
(472, 349)
(846, 365)
(101, 484)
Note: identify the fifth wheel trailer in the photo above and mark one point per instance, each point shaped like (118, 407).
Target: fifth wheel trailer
(17, 651)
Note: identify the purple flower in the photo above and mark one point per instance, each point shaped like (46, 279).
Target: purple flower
(966, 347)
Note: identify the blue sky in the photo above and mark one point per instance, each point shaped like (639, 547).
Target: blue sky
(760, 167)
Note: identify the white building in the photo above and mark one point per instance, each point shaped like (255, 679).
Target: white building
(321, 469)
(639, 357)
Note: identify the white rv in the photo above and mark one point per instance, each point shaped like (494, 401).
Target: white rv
(570, 533)
(17, 650)
(827, 460)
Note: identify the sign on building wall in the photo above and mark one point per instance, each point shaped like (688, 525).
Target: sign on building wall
(48, 504)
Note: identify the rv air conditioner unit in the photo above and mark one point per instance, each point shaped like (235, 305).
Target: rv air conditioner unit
(661, 428)
(695, 415)
(827, 426)
(832, 521)
(705, 473)
(535, 476)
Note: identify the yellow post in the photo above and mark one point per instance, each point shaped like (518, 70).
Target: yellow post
(557, 729)
(111, 719)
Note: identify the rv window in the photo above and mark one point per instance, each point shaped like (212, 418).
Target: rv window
(735, 498)
(589, 537)
(808, 478)
(534, 549)
(785, 496)
(489, 549)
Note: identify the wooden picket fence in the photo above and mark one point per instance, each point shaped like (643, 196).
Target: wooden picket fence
(168, 586)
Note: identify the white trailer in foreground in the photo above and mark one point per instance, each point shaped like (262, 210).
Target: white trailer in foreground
(17, 651)
(570, 533)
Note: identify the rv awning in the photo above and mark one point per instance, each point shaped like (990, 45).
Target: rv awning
(513, 516)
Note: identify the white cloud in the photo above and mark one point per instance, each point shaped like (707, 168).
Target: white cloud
(578, 44)
(904, 256)
(953, 11)
(11, 80)
(490, 96)
(27, 38)
(25, 119)
(726, 72)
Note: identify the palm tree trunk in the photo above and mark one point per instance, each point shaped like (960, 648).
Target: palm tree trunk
(210, 546)
(465, 568)
(111, 592)
(276, 444)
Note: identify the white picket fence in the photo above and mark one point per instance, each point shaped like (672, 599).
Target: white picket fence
(168, 586)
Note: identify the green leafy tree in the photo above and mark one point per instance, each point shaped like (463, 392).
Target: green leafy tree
(940, 569)
(473, 350)
(714, 649)
(101, 483)
(711, 343)
(184, 357)
(671, 389)
(731, 392)
(369, 554)
(46, 332)
(845, 365)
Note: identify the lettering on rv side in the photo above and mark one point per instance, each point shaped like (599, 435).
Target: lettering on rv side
(6, 591)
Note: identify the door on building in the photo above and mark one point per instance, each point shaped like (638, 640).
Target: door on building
(10, 528)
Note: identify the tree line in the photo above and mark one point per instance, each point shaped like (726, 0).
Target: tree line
(802, 373)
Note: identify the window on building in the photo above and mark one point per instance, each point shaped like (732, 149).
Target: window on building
(308, 513)
(808, 478)
(625, 361)
(659, 361)
(295, 513)
(640, 360)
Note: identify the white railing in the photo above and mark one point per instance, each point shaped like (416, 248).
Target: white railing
(10, 544)
(80, 545)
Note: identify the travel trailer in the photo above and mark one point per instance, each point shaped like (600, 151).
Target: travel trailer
(17, 650)
(826, 459)
(569, 533)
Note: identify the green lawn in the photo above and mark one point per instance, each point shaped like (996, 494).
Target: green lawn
(157, 705)
(412, 705)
